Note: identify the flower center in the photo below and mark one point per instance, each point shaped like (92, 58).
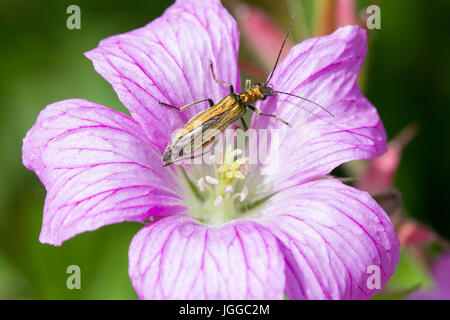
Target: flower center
(216, 194)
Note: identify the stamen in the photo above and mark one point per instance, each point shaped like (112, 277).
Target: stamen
(218, 201)
(245, 169)
(211, 180)
(201, 184)
(218, 192)
(227, 159)
(230, 170)
(244, 194)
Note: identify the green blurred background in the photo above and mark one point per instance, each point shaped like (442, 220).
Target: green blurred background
(407, 77)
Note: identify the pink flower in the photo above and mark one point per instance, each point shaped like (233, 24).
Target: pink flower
(313, 239)
(345, 12)
(379, 175)
(261, 33)
(441, 277)
(413, 233)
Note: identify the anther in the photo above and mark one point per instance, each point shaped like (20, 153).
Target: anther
(228, 189)
(211, 180)
(218, 201)
(244, 194)
(201, 184)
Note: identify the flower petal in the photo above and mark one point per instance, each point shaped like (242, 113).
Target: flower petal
(168, 60)
(332, 234)
(97, 167)
(441, 287)
(176, 258)
(324, 70)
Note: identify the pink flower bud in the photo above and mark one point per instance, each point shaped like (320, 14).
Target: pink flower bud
(262, 35)
(380, 172)
(411, 233)
(345, 13)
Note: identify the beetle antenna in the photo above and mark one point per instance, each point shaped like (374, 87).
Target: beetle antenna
(315, 103)
(281, 49)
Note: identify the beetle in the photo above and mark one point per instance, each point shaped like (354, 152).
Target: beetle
(204, 127)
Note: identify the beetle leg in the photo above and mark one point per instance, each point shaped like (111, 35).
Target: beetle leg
(219, 81)
(211, 103)
(244, 123)
(267, 114)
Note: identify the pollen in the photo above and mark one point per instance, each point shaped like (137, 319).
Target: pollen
(218, 192)
(231, 169)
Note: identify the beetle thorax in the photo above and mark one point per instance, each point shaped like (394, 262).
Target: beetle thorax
(252, 95)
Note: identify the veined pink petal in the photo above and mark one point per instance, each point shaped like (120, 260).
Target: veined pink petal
(176, 258)
(331, 235)
(323, 70)
(98, 168)
(168, 60)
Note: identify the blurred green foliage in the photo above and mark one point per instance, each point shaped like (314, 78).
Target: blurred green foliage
(41, 62)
